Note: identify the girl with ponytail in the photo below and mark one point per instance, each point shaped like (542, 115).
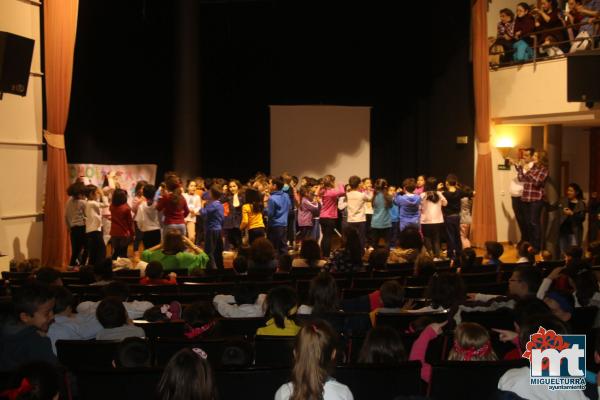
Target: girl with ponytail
(173, 205)
(314, 360)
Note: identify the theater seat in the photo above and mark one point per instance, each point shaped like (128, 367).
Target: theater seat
(381, 382)
(172, 329)
(251, 383)
(77, 354)
(468, 380)
(164, 348)
(241, 326)
(274, 350)
(401, 321)
(114, 384)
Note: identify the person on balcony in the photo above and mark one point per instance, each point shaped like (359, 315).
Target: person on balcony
(550, 25)
(524, 26)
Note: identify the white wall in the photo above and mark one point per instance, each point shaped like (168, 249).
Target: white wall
(21, 167)
(319, 140)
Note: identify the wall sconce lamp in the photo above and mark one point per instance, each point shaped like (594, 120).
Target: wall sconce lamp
(505, 145)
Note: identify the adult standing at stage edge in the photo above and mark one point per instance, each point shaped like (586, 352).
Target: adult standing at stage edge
(533, 195)
(516, 192)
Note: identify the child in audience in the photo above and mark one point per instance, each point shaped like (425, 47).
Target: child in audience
(96, 248)
(432, 218)
(147, 218)
(154, 273)
(240, 265)
(75, 218)
(214, 214)
(114, 320)
(389, 299)
(410, 245)
(378, 258)
(188, 375)
(505, 32)
(526, 254)
(357, 203)
(135, 309)
(121, 228)
(382, 345)
(201, 320)
(349, 257)
(281, 304)
(546, 255)
(493, 252)
(468, 261)
(103, 272)
(471, 343)
(262, 256)
(524, 26)
(310, 255)
(424, 268)
(68, 325)
(409, 205)
(133, 352)
(37, 381)
(314, 361)
(446, 291)
(194, 205)
(48, 276)
(246, 302)
(23, 334)
(163, 313)
(252, 215)
(322, 296)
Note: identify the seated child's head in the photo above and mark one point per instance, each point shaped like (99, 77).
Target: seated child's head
(382, 345)
(200, 318)
(586, 286)
(111, 313)
(262, 251)
(103, 270)
(310, 251)
(246, 294)
(188, 375)
(409, 185)
(410, 238)
(48, 276)
(506, 15)
(154, 270)
(42, 379)
(63, 300)
(314, 358)
(526, 307)
(378, 257)
(281, 303)
(546, 255)
(392, 294)
(494, 250)
(116, 289)
(323, 294)
(533, 322)
(285, 263)
(472, 343)
(562, 304)
(524, 281)
(468, 258)
(446, 290)
(573, 255)
(526, 250)
(34, 306)
(163, 312)
(240, 265)
(133, 352)
(424, 266)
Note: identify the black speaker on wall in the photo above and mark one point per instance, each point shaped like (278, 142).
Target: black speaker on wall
(583, 84)
(15, 63)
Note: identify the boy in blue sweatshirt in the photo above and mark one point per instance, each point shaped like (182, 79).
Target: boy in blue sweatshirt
(409, 204)
(214, 215)
(278, 208)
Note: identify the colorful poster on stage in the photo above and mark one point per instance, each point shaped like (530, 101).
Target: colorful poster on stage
(122, 176)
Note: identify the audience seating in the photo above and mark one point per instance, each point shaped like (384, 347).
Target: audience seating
(401, 321)
(500, 319)
(162, 329)
(76, 354)
(381, 382)
(241, 326)
(116, 383)
(274, 350)
(500, 288)
(468, 380)
(480, 277)
(164, 348)
(370, 283)
(129, 272)
(251, 383)
(583, 319)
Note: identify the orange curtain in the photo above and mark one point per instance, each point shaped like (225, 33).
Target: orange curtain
(60, 26)
(484, 212)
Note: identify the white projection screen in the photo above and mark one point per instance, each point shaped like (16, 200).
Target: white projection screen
(319, 140)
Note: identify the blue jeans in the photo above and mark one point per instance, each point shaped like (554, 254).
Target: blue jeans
(179, 227)
(278, 236)
(213, 247)
(523, 51)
